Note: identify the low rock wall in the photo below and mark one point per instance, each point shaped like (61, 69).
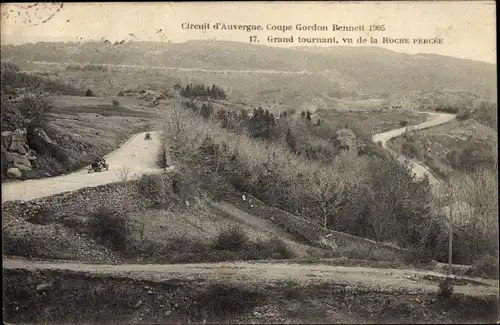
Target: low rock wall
(310, 230)
(121, 197)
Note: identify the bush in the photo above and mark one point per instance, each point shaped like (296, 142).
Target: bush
(445, 288)
(115, 103)
(152, 187)
(109, 228)
(274, 248)
(33, 111)
(231, 239)
(262, 125)
(447, 109)
(464, 115)
(36, 109)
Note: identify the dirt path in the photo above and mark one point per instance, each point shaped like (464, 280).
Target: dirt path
(376, 278)
(417, 167)
(134, 158)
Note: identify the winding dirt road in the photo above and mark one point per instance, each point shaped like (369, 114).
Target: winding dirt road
(376, 278)
(135, 157)
(417, 167)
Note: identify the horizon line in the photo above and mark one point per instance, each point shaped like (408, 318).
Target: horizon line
(239, 42)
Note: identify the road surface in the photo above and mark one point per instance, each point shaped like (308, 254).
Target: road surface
(135, 157)
(417, 167)
(377, 278)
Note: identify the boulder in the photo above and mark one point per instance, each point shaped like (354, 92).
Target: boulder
(18, 160)
(6, 138)
(40, 136)
(14, 172)
(22, 167)
(18, 142)
(18, 147)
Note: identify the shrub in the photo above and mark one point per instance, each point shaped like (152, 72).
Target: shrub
(274, 248)
(11, 116)
(231, 239)
(447, 109)
(464, 115)
(445, 288)
(262, 125)
(109, 228)
(152, 187)
(36, 109)
(115, 103)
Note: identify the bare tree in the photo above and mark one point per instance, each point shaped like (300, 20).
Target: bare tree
(329, 191)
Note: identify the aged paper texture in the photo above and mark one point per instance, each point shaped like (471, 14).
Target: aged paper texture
(249, 162)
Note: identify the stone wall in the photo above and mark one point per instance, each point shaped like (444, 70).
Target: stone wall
(121, 196)
(310, 230)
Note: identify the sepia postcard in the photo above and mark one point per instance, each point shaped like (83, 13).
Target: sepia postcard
(249, 162)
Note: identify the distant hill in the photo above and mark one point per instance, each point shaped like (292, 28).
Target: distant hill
(327, 71)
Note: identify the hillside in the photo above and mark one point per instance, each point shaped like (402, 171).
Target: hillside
(324, 70)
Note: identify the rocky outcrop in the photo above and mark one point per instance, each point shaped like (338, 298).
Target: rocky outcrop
(17, 156)
(14, 173)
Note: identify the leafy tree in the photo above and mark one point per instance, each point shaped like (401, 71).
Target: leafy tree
(261, 124)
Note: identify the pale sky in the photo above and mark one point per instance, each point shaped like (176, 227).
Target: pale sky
(468, 28)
